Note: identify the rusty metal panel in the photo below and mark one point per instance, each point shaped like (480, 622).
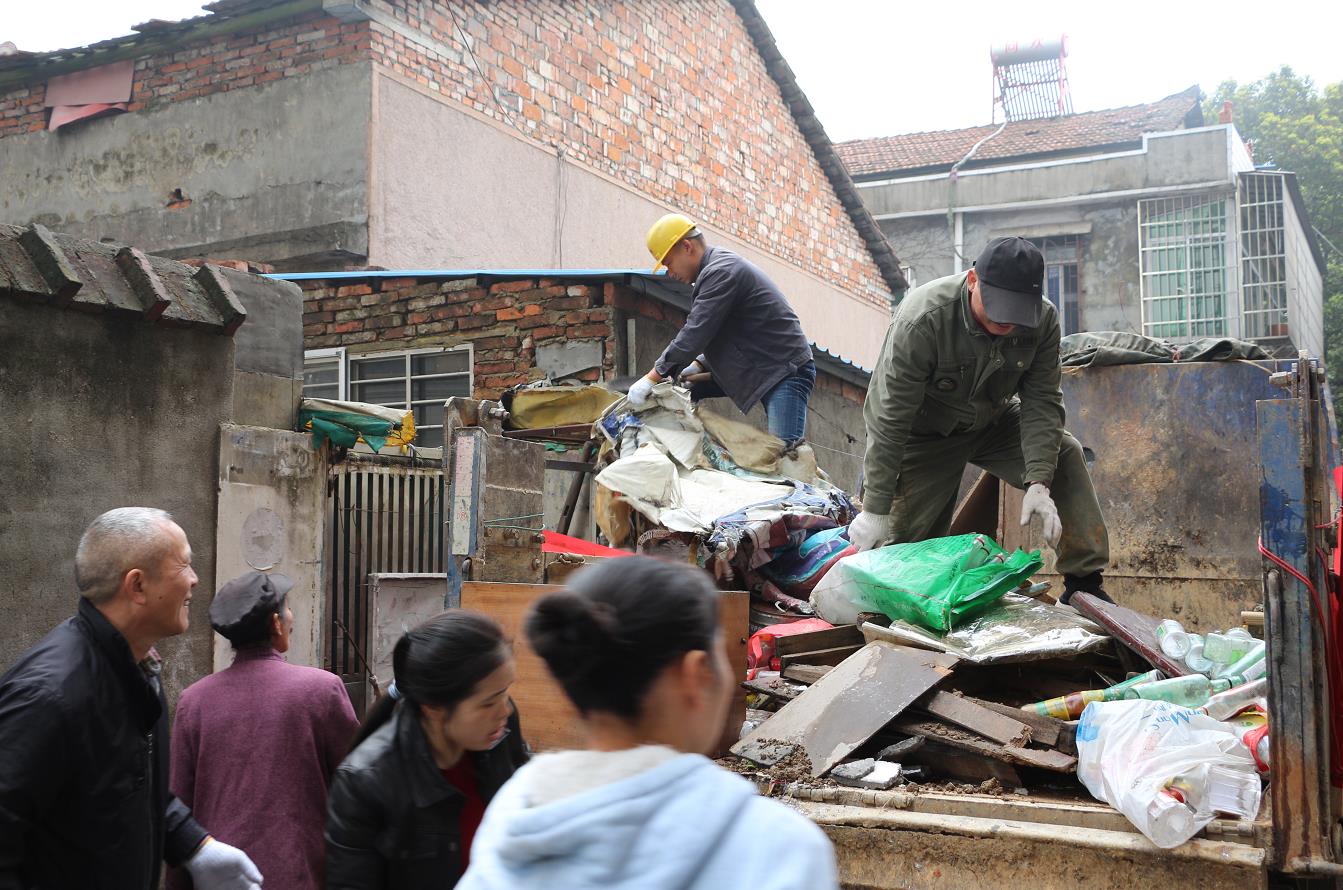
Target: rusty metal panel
(1176, 470)
(1294, 455)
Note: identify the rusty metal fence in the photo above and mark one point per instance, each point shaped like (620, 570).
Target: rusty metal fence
(383, 514)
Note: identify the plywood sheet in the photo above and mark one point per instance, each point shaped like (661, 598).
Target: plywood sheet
(549, 721)
(845, 708)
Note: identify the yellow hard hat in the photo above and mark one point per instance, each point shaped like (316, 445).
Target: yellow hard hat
(664, 235)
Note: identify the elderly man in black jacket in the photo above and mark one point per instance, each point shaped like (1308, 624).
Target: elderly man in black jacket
(740, 331)
(84, 798)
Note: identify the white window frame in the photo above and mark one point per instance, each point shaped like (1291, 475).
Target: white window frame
(337, 353)
(345, 357)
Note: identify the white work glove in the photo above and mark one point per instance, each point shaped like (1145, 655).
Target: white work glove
(639, 392)
(869, 530)
(218, 866)
(1038, 503)
(690, 370)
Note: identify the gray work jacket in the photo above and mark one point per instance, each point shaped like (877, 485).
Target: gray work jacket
(742, 325)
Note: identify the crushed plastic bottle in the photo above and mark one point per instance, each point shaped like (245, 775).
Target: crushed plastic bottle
(1246, 662)
(1195, 659)
(1172, 638)
(1229, 647)
(1224, 704)
(1170, 821)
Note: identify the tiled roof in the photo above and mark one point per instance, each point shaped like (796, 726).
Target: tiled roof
(37, 264)
(1070, 133)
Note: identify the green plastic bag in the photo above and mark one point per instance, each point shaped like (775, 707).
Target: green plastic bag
(934, 584)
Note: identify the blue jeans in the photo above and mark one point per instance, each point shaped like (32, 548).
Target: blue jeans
(785, 405)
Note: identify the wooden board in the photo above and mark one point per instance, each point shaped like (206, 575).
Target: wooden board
(1044, 730)
(845, 635)
(806, 673)
(980, 720)
(549, 721)
(1134, 629)
(942, 760)
(845, 708)
(955, 738)
(819, 657)
(775, 688)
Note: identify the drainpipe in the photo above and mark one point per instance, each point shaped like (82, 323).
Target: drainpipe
(956, 221)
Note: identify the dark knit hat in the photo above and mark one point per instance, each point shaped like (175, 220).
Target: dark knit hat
(242, 608)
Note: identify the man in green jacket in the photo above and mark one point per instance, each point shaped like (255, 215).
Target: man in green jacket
(969, 373)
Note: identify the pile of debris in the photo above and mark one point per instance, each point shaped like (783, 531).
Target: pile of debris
(992, 705)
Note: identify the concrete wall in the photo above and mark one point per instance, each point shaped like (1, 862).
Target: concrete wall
(1110, 291)
(452, 189)
(1176, 160)
(272, 501)
(271, 173)
(105, 412)
(268, 351)
(1305, 285)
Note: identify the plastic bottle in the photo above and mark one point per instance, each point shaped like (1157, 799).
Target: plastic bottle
(1195, 659)
(1229, 647)
(1224, 704)
(1070, 706)
(1172, 638)
(1190, 691)
(1242, 667)
(1170, 821)
(1255, 671)
(1150, 677)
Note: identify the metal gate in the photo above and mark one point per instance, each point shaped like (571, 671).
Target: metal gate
(383, 514)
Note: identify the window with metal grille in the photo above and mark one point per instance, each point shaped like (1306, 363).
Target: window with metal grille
(1063, 278)
(419, 380)
(1263, 256)
(324, 374)
(1182, 256)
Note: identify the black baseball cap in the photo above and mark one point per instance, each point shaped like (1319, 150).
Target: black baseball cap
(1011, 273)
(242, 608)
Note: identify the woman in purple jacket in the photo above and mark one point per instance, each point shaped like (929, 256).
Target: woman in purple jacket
(255, 745)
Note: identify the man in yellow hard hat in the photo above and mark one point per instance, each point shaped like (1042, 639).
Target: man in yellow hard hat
(740, 330)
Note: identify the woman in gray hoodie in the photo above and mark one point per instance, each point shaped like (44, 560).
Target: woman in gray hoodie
(635, 643)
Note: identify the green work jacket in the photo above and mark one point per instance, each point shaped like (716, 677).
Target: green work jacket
(941, 374)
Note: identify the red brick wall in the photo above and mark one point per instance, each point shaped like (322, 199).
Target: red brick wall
(504, 321)
(301, 46)
(670, 97)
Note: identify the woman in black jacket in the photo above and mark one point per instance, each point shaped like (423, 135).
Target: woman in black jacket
(430, 755)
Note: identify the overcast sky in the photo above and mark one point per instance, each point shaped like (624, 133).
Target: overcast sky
(882, 67)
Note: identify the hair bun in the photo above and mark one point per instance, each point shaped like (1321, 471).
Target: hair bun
(572, 632)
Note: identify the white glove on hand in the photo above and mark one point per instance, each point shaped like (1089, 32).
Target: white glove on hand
(218, 866)
(690, 370)
(639, 392)
(1038, 503)
(869, 530)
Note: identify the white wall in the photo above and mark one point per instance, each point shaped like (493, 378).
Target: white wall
(452, 189)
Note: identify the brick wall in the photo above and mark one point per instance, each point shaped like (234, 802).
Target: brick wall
(671, 98)
(297, 47)
(505, 321)
(668, 97)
